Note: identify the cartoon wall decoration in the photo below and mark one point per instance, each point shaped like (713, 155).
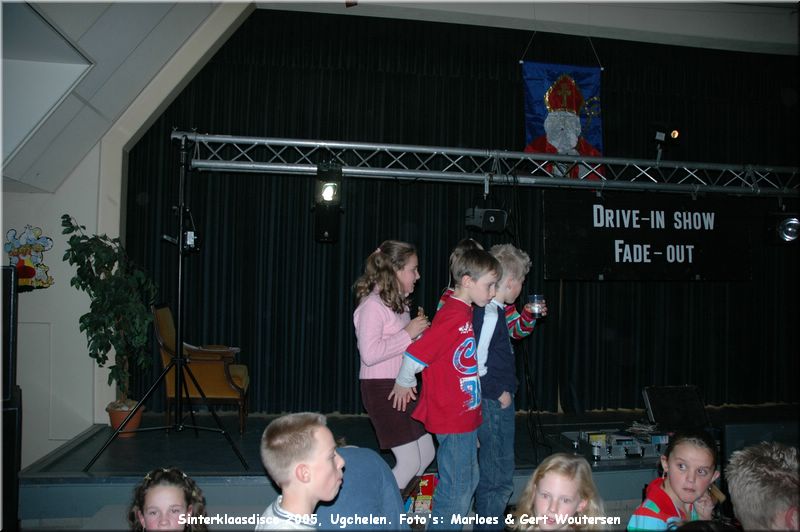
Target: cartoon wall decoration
(562, 115)
(26, 254)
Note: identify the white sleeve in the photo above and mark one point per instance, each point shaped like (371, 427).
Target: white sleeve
(407, 375)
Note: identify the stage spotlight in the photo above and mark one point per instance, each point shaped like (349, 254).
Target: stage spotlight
(329, 183)
(782, 227)
(667, 136)
(787, 228)
(329, 192)
(327, 212)
(664, 136)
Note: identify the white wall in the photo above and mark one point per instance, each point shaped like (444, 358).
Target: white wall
(63, 391)
(55, 372)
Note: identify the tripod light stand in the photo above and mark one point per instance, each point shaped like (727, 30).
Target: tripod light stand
(185, 242)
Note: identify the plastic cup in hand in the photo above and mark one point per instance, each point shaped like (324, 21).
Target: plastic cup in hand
(537, 303)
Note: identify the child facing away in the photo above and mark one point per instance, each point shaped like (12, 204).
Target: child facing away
(497, 370)
(384, 329)
(450, 402)
(519, 324)
(683, 493)
(300, 456)
(166, 499)
(560, 494)
(764, 484)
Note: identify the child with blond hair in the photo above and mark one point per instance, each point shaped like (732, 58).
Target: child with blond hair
(520, 324)
(497, 369)
(561, 494)
(764, 484)
(299, 454)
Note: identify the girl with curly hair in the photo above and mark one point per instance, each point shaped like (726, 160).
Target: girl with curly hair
(164, 500)
(384, 329)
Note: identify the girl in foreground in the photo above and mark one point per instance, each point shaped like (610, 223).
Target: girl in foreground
(162, 497)
(684, 492)
(560, 495)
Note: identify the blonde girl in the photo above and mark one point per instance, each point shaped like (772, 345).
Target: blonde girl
(560, 494)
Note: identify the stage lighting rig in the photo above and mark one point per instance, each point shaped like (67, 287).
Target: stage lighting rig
(664, 136)
(327, 199)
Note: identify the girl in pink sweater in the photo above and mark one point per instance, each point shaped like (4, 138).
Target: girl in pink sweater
(384, 329)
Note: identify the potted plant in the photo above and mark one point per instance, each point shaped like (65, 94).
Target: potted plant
(119, 317)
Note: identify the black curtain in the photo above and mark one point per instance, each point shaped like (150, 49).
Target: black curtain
(261, 282)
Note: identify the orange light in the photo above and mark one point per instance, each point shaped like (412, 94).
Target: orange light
(674, 134)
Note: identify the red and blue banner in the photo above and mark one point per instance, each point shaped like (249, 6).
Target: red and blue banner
(564, 88)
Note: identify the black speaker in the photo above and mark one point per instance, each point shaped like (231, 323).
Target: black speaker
(488, 220)
(326, 222)
(12, 403)
(10, 290)
(740, 435)
(12, 457)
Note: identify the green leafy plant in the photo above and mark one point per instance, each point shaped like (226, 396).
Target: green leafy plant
(121, 294)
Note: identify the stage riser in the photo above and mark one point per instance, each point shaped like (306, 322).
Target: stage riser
(239, 495)
(55, 493)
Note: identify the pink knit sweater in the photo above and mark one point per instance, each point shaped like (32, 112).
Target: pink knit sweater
(382, 339)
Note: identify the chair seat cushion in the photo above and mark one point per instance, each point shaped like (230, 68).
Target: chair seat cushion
(211, 376)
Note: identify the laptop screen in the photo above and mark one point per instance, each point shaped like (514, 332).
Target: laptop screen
(675, 408)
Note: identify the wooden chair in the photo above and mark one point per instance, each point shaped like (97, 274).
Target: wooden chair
(222, 380)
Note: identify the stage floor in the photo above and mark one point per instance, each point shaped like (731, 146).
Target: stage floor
(207, 452)
(56, 491)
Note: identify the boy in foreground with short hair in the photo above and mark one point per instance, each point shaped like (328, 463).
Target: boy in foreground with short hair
(764, 484)
(450, 403)
(300, 456)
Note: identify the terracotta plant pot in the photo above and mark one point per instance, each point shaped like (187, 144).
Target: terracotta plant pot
(118, 416)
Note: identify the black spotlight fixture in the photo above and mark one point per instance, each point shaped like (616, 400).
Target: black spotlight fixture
(783, 227)
(664, 136)
(787, 228)
(327, 199)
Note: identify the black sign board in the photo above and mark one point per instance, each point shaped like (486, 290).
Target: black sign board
(646, 236)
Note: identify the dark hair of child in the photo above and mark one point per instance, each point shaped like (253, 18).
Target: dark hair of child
(168, 476)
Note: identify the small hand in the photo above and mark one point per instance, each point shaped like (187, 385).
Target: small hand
(400, 396)
(505, 400)
(704, 506)
(543, 307)
(417, 326)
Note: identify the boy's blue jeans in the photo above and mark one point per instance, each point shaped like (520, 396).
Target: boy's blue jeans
(496, 460)
(457, 460)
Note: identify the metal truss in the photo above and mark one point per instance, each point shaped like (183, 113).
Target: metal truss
(391, 161)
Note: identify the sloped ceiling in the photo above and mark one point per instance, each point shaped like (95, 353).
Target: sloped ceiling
(125, 45)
